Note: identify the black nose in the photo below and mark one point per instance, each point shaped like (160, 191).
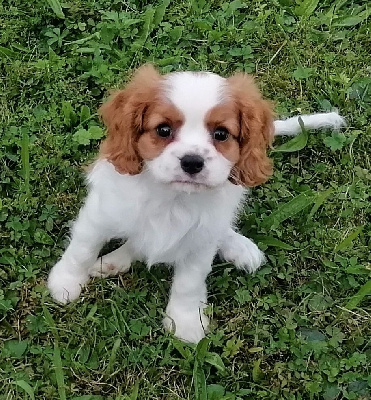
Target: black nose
(192, 163)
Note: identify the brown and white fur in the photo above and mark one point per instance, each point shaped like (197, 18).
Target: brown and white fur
(181, 150)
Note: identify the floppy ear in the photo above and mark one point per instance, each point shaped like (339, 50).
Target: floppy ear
(123, 116)
(256, 132)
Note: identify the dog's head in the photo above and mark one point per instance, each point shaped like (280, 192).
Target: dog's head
(190, 130)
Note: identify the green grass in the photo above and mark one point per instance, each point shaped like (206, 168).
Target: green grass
(298, 329)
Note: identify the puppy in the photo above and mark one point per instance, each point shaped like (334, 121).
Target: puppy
(171, 175)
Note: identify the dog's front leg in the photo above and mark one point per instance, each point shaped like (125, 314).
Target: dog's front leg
(241, 251)
(71, 272)
(188, 297)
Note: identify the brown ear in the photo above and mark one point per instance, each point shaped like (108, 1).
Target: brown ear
(123, 115)
(256, 132)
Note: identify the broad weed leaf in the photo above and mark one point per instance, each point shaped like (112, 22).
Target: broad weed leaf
(273, 242)
(295, 144)
(84, 113)
(364, 291)
(336, 141)
(306, 8)
(26, 387)
(55, 5)
(82, 136)
(287, 210)
(354, 20)
(349, 239)
(15, 348)
(301, 73)
(95, 132)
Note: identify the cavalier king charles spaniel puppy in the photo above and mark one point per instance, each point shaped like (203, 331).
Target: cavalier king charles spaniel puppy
(180, 153)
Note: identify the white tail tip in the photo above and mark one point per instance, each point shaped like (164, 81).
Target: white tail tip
(292, 127)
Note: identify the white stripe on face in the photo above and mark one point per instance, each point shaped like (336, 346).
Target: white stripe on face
(194, 94)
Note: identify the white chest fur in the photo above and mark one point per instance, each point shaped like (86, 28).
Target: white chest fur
(162, 224)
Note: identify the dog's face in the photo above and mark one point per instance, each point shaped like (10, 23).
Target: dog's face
(192, 131)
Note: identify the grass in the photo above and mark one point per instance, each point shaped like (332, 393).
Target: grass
(298, 329)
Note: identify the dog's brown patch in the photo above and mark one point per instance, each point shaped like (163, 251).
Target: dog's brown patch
(256, 131)
(225, 116)
(123, 115)
(150, 144)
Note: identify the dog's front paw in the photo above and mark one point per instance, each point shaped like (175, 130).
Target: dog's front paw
(243, 253)
(64, 285)
(188, 326)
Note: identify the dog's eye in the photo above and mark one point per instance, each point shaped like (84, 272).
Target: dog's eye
(164, 131)
(220, 134)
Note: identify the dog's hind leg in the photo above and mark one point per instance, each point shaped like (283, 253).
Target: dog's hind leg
(114, 263)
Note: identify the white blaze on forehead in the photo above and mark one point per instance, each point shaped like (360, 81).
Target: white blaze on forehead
(195, 93)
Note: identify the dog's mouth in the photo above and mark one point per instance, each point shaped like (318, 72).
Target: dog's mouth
(189, 185)
(189, 182)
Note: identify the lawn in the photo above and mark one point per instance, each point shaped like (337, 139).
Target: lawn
(300, 327)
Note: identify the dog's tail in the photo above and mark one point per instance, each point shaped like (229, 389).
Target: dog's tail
(291, 126)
